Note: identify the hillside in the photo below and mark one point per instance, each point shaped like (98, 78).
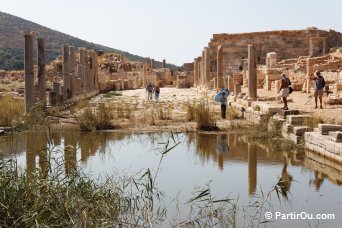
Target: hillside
(12, 42)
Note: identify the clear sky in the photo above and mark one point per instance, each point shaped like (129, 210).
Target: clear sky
(175, 30)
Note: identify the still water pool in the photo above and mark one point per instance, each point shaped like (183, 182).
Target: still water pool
(229, 164)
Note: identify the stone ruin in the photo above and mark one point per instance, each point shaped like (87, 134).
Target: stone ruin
(118, 73)
(80, 79)
(256, 60)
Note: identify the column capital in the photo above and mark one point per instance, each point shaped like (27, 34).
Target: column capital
(27, 33)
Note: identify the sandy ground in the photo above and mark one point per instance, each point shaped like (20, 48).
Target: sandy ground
(298, 100)
(168, 114)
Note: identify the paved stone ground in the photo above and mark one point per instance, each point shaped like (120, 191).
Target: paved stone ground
(306, 102)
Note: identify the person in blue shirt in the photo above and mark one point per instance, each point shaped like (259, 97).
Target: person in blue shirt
(319, 86)
(223, 100)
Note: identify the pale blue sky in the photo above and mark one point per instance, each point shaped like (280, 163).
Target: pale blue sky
(175, 30)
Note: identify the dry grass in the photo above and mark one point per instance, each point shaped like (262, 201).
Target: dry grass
(190, 110)
(232, 114)
(98, 118)
(313, 122)
(11, 111)
(204, 117)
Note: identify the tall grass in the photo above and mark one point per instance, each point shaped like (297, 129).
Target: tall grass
(98, 118)
(204, 117)
(33, 201)
(11, 111)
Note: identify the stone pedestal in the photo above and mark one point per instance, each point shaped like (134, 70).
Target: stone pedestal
(271, 60)
(252, 76)
(41, 71)
(270, 76)
(29, 73)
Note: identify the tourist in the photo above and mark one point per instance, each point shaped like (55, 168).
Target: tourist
(149, 89)
(223, 100)
(156, 91)
(319, 86)
(284, 90)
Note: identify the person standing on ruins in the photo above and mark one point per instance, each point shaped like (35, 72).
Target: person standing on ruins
(319, 86)
(284, 90)
(149, 89)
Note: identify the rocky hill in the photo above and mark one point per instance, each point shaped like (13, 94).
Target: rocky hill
(12, 42)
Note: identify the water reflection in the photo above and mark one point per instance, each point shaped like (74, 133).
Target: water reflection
(286, 177)
(222, 149)
(252, 168)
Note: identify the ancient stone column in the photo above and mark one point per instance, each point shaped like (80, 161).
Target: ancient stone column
(56, 88)
(88, 70)
(195, 72)
(29, 73)
(164, 63)
(206, 65)
(201, 73)
(252, 75)
(198, 71)
(41, 71)
(85, 78)
(82, 55)
(66, 71)
(144, 76)
(324, 46)
(152, 63)
(96, 75)
(73, 76)
(80, 78)
(220, 82)
(311, 48)
(148, 61)
(309, 73)
(81, 72)
(244, 74)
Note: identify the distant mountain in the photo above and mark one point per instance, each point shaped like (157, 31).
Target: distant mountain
(12, 43)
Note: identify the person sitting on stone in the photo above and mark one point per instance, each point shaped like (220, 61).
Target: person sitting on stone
(149, 89)
(284, 90)
(319, 86)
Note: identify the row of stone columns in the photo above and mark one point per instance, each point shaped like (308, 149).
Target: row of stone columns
(77, 79)
(202, 71)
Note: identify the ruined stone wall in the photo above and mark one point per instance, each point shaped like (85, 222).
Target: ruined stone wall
(287, 44)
